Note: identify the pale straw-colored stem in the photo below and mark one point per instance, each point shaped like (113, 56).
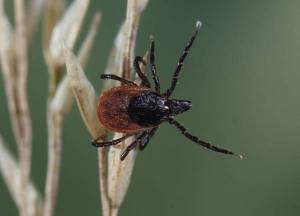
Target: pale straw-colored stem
(11, 173)
(102, 156)
(86, 99)
(54, 158)
(13, 54)
(51, 15)
(114, 176)
(67, 29)
(59, 106)
(24, 113)
(102, 165)
(85, 49)
(33, 12)
(119, 172)
(7, 54)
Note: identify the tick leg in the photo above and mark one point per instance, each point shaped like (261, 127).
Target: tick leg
(115, 77)
(145, 81)
(181, 60)
(143, 145)
(109, 143)
(153, 66)
(197, 140)
(133, 144)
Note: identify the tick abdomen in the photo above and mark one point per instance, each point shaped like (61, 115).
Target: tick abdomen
(113, 109)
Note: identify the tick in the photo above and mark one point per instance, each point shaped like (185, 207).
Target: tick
(138, 110)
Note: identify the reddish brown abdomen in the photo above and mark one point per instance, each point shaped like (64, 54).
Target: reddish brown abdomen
(112, 109)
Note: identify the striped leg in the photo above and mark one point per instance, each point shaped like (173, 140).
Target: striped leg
(109, 143)
(115, 77)
(181, 60)
(145, 81)
(202, 143)
(153, 66)
(143, 145)
(133, 145)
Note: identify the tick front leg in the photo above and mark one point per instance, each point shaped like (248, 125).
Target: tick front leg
(153, 65)
(145, 81)
(115, 77)
(195, 139)
(181, 60)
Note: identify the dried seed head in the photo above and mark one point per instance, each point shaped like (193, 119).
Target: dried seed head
(6, 43)
(84, 93)
(67, 29)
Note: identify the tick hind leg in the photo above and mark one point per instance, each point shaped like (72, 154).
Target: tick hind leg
(202, 143)
(115, 77)
(98, 144)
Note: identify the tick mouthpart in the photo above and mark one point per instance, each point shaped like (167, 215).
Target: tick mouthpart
(179, 106)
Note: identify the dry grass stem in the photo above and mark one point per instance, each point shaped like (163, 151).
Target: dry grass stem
(84, 93)
(86, 99)
(34, 11)
(7, 53)
(115, 57)
(119, 172)
(66, 30)
(11, 173)
(59, 107)
(25, 126)
(52, 13)
(83, 55)
(133, 13)
(61, 28)
(55, 119)
(62, 100)
(87, 44)
(14, 68)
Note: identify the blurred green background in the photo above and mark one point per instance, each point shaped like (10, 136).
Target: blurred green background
(243, 78)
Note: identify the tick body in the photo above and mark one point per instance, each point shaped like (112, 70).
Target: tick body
(138, 110)
(131, 109)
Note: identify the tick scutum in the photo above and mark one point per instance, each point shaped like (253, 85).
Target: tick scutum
(148, 109)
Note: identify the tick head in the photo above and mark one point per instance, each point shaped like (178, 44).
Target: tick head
(178, 106)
